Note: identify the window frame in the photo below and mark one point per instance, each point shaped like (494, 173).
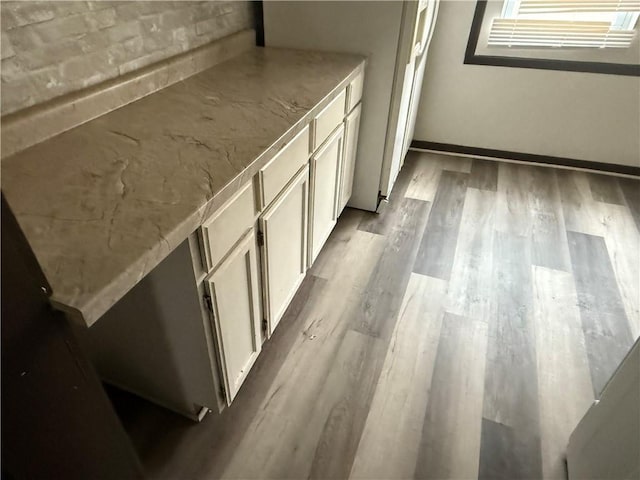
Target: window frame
(472, 58)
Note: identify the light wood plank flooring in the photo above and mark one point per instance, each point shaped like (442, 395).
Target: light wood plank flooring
(462, 333)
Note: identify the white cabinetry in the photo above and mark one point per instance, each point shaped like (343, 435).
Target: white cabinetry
(188, 334)
(352, 127)
(325, 187)
(234, 300)
(283, 226)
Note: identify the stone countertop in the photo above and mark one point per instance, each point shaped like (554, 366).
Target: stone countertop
(102, 204)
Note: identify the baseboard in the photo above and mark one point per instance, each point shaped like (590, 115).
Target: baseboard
(526, 157)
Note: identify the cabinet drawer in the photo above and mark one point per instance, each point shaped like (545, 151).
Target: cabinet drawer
(354, 91)
(225, 227)
(275, 175)
(328, 119)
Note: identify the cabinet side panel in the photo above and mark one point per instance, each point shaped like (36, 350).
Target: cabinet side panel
(152, 341)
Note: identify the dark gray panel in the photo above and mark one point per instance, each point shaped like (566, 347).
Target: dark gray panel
(507, 455)
(549, 242)
(484, 174)
(631, 190)
(604, 321)
(605, 188)
(438, 245)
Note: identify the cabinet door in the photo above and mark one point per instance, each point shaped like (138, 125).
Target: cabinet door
(325, 175)
(352, 127)
(235, 303)
(284, 247)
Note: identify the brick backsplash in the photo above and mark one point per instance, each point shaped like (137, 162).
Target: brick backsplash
(49, 48)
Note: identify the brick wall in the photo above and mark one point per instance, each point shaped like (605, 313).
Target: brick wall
(50, 48)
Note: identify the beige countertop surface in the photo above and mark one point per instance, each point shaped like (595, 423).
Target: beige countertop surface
(102, 204)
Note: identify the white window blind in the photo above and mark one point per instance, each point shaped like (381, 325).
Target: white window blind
(552, 6)
(566, 23)
(514, 32)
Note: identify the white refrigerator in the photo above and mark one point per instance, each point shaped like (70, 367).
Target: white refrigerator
(395, 37)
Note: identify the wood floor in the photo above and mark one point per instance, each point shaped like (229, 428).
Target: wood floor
(462, 333)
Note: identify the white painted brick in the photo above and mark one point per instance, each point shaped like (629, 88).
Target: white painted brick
(134, 10)
(90, 68)
(11, 70)
(6, 49)
(158, 41)
(101, 18)
(101, 4)
(67, 8)
(50, 48)
(26, 13)
(61, 28)
(23, 39)
(49, 54)
(123, 31)
(7, 18)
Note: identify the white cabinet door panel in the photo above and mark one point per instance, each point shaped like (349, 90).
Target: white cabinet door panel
(325, 175)
(284, 250)
(352, 128)
(235, 301)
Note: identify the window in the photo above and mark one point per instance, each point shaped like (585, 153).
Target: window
(596, 36)
(565, 23)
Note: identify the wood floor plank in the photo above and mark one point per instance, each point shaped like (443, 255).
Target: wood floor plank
(510, 392)
(437, 247)
(484, 174)
(623, 245)
(352, 381)
(507, 455)
(331, 257)
(167, 441)
(548, 237)
(450, 445)
(470, 286)
(631, 192)
(564, 381)
(390, 442)
(382, 223)
(604, 321)
(426, 176)
(383, 294)
(513, 212)
(299, 391)
(324, 327)
(510, 395)
(579, 208)
(605, 188)
(314, 440)
(529, 204)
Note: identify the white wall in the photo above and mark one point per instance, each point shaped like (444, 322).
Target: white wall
(584, 116)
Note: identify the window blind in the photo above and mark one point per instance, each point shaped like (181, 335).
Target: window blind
(514, 32)
(567, 6)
